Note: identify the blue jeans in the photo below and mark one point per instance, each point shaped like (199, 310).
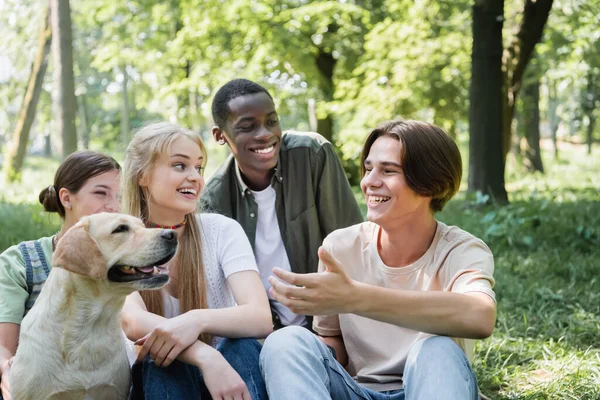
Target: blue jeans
(184, 381)
(296, 365)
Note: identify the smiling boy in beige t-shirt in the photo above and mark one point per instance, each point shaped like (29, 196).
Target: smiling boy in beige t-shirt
(400, 299)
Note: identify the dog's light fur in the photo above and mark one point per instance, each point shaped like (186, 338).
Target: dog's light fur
(70, 345)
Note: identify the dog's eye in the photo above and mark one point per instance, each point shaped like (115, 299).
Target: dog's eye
(121, 228)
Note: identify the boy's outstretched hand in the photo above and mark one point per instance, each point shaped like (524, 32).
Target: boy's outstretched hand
(330, 292)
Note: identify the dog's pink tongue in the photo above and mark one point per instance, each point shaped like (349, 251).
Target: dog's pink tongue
(146, 270)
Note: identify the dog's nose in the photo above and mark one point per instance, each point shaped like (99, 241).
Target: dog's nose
(169, 235)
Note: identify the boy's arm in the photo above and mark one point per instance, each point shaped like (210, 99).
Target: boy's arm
(335, 199)
(467, 315)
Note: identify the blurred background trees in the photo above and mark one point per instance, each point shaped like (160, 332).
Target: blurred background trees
(337, 67)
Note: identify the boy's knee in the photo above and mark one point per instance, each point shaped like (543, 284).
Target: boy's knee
(436, 348)
(438, 362)
(290, 339)
(439, 344)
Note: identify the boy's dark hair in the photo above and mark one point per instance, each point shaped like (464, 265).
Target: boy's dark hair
(72, 174)
(430, 159)
(231, 90)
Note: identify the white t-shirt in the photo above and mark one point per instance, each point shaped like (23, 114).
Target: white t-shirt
(270, 251)
(455, 262)
(225, 251)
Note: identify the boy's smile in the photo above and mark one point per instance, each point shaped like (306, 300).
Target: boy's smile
(254, 136)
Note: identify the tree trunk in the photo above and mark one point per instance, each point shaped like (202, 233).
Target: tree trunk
(486, 164)
(531, 124)
(518, 139)
(312, 115)
(195, 113)
(125, 125)
(508, 117)
(517, 57)
(589, 106)
(326, 64)
(47, 145)
(64, 78)
(16, 154)
(590, 132)
(325, 127)
(453, 130)
(553, 116)
(83, 121)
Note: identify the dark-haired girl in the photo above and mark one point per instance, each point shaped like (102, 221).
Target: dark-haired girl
(85, 183)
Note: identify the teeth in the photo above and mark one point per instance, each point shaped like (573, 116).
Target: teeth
(188, 191)
(379, 199)
(265, 150)
(127, 270)
(155, 271)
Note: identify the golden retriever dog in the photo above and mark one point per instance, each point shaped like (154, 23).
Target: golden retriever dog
(71, 345)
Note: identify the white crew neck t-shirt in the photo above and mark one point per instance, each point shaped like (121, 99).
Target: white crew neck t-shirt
(225, 251)
(270, 251)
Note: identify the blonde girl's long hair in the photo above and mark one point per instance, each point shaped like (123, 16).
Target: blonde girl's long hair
(148, 144)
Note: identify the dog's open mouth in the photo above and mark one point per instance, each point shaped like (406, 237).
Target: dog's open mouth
(129, 273)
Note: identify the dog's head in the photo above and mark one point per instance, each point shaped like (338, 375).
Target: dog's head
(117, 248)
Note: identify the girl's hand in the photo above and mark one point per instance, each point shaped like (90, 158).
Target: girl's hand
(169, 339)
(222, 381)
(4, 384)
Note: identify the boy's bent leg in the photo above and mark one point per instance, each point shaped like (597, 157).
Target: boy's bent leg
(296, 365)
(243, 356)
(437, 368)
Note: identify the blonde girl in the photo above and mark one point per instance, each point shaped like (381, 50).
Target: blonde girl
(191, 331)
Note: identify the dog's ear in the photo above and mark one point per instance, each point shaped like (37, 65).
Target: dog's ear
(78, 252)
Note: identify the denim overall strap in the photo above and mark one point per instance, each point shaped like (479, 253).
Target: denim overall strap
(36, 270)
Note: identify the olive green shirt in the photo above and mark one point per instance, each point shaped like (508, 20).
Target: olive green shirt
(313, 199)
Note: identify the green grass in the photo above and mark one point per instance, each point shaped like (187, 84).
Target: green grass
(546, 245)
(546, 253)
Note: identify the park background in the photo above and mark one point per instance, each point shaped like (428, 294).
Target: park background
(514, 82)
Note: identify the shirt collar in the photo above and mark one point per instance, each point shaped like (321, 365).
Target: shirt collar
(277, 177)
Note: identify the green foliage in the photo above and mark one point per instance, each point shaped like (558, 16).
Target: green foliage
(570, 59)
(416, 64)
(19, 26)
(546, 245)
(546, 250)
(391, 58)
